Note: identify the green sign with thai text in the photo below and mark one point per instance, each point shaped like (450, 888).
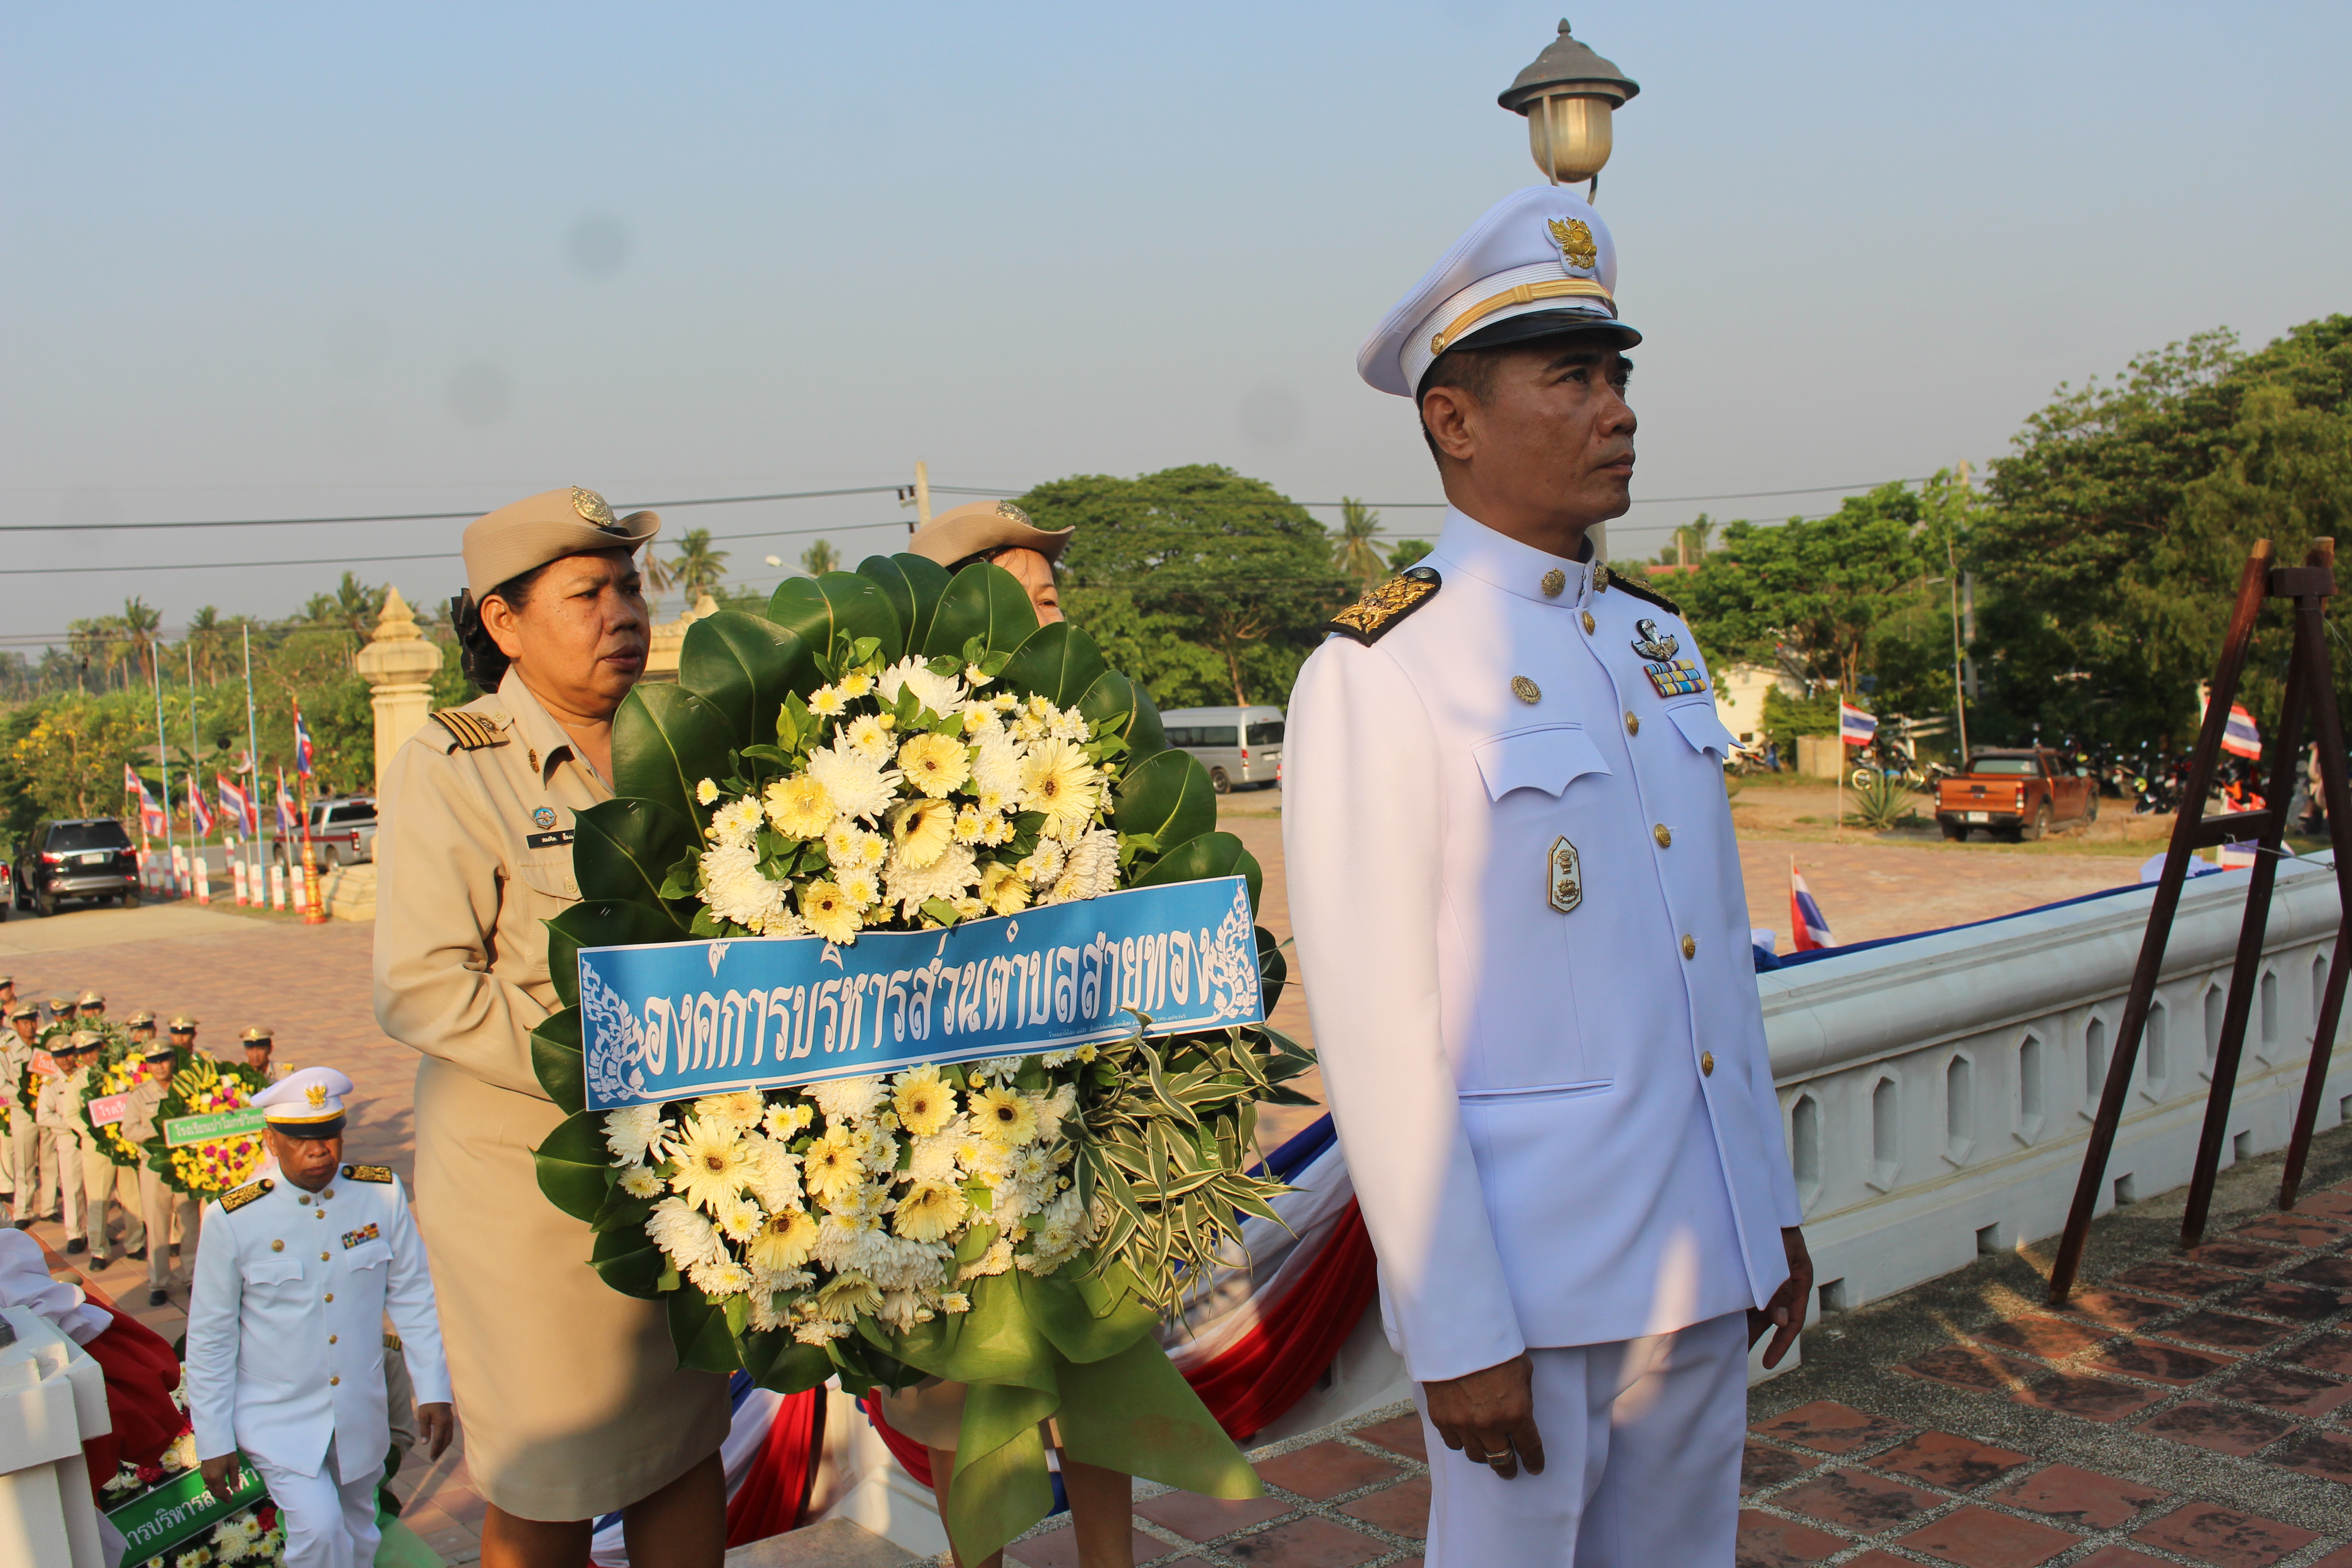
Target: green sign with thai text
(155, 1521)
(179, 1131)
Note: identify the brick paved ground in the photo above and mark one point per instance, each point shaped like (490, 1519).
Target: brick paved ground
(2192, 1411)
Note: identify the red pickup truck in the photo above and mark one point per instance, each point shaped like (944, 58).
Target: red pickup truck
(2015, 795)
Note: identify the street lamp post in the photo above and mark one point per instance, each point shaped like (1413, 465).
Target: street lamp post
(1568, 94)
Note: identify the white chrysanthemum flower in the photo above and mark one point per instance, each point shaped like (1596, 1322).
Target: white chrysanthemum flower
(827, 702)
(1043, 864)
(860, 885)
(737, 1217)
(684, 1234)
(857, 682)
(820, 1331)
(996, 770)
(632, 1131)
(870, 734)
(774, 1173)
(951, 876)
(848, 1099)
(1034, 1163)
(934, 1157)
(740, 1108)
(705, 792)
(995, 1260)
(1052, 1107)
(734, 889)
(763, 1317)
(954, 1301)
(724, 1278)
(640, 1183)
(860, 786)
(1069, 724)
(734, 824)
(939, 693)
(1093, 864)
(785, 1119)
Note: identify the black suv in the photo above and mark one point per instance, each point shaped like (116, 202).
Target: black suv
(88, 858)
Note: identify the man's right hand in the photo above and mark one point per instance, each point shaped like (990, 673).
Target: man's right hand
(221, 1476)
(1490, 1415)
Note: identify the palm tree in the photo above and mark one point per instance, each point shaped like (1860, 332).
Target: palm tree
(697, 568)
(140, 620)
(1354, 550)
(657, 578)
(204, 641)
(820, 558)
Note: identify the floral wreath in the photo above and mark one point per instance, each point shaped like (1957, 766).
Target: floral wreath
(205, 1087)
(896, 750)
(117, 1071)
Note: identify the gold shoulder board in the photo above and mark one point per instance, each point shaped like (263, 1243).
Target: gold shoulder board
(391, 1341)
(232, 1201)
(473, 731)
(1650, 596)
(367, 1172)
(1369, 618)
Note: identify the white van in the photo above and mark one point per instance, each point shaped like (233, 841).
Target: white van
(1237, 746)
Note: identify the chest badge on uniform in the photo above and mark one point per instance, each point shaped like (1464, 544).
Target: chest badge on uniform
(1669, 675)
(1563, 876)
(1526, 691)
(544, 815)
(365, 1233)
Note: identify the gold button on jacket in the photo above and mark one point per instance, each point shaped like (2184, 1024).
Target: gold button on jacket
(1663, 835)
(1707, 1064)
(567, 1426)
(1632, 722)
(1690, 947)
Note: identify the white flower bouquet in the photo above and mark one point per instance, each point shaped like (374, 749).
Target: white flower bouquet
(892, 749)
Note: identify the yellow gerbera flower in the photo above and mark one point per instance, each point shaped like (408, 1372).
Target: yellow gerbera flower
(935, 763)
(784, 1242)
(931, 1211)
(711, 1162)
(799, 807)
(922, 829)
(924, 1101)
(829, 913)
(1057, 780)
(832, 1168)
(1004, 1116)
(1002, 889)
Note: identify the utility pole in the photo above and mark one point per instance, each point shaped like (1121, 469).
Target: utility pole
(918, 496)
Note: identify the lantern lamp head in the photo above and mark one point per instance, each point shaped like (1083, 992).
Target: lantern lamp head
(1568, 94)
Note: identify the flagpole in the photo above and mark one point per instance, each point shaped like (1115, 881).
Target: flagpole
(201, 866)
(314, 911)
(252, 756)
(163, 755)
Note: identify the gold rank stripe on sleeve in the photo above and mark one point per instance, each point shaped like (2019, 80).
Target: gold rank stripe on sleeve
(367, 1172)
(1369, 618)
(1675, 677)
(473, 731)
(249, 1193)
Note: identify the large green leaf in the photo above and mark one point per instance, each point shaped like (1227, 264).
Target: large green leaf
(1114, 702)
(665, 739)
(1058, 663)
(1167, 795)
(627, 1260)
(914, 584)
(573, 1166)
(985, 601)
(1210, 855)
(602, 923)
(816, 608)
(697, 1327)
(1273, 968)
(743, 666)
(775, 1360)
(557, 1061)
(623, 853)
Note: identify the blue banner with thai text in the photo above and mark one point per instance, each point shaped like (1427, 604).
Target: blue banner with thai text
(674, 1020)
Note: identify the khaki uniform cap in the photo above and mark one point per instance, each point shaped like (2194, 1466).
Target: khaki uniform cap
(984, 525)
(90, 999)
(255, 1036)
(181, 1023)
(547, 527)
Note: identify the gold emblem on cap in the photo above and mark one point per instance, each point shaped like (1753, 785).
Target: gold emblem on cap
(1006, 508)
(317, 1095)
(1526, 691)
(1574, 238)
(1555, 581)
(591, 505)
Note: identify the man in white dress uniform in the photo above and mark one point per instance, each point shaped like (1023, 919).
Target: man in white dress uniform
(1519, 917)
(286, 1341)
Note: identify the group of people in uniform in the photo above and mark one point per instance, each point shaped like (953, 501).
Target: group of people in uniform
(52, 1166)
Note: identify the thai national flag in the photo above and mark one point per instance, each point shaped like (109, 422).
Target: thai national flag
(131, 780)
(301, 745)
(198, 812)
(1812, 926)
(287, 822)
(2239, 736)
(236, 803)
(150, 816)
(1855, 728)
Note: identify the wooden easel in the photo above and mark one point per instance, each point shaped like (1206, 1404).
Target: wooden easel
(2310, 689)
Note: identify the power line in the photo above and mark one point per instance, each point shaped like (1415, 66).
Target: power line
(418, 516)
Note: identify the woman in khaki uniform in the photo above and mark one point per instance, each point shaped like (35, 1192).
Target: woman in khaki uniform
(571, 1399)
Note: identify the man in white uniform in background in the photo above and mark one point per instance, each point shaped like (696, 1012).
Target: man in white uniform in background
(286, 1341)
(1521, 926)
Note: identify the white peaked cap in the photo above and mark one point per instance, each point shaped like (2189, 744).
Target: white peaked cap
(1538, 252)
(313, 1094)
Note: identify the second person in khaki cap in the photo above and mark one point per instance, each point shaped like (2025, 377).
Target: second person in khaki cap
(570, 1393)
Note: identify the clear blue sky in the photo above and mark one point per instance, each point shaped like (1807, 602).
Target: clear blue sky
(293, 260)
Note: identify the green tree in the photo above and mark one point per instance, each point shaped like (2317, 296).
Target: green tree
(820, 558)
(1200, 555)
(1354, 550)
(1406, 552)
(696, 567)
(67, 758)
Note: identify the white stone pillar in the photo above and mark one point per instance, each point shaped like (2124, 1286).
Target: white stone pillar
(399, 664)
